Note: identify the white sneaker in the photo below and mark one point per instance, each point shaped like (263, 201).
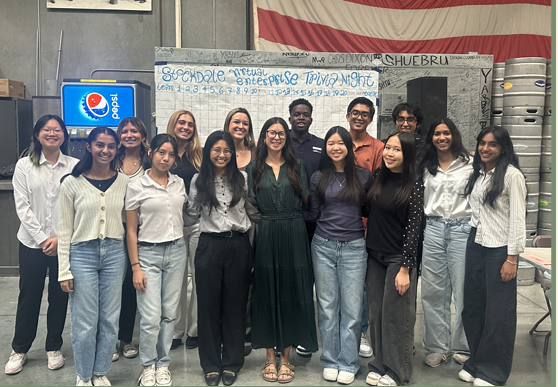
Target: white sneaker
(330, 374)
(163, 376)
(435, 359)
(345, 377)
(15, 363)
(465, 376)
(100, 380)
(460, 358)
(147, 377)
(81, 382)
(365, 349)
(116, 353)
(55, 360)
(481, 382)
(129, 350)
(373, 378)
(386, 380)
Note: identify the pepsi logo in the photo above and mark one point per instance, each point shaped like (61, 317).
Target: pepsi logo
(540, 83)
(95, 105)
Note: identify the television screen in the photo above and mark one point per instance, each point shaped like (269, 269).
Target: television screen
(91, 105)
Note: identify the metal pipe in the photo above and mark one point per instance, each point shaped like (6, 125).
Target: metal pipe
(178, 23)
(37, 66)
(59, 53)
(214, 25)
(119, 71)
(39, 74)
(160, 23)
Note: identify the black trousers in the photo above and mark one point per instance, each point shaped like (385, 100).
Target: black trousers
(33, 264)
(489, 313)
(223, 268)
(128, 307)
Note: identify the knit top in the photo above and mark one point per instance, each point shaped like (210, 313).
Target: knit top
(86, 213)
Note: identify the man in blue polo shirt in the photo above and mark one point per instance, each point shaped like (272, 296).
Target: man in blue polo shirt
(308, 148)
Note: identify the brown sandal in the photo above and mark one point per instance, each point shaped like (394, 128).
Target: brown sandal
(266, 369)
(289, 371)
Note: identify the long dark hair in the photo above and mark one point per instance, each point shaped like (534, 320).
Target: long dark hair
(408, 175)
(37, 148)
(293, 171)
(205, 183)
(86, 160)
(429, 159)
(144, 146)
(249, 139)
(507, 157)
(159, 140)
(353, 190)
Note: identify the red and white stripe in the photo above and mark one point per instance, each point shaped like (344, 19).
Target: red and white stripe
(503, 28)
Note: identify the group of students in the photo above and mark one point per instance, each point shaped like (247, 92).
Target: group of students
(256, 225)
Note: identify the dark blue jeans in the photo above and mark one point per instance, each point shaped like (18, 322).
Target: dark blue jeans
(391, 316)
(489, 313)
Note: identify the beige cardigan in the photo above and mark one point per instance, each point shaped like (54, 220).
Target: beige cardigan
(86, 213)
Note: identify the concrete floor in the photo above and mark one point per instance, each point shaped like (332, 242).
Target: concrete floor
(530, 367)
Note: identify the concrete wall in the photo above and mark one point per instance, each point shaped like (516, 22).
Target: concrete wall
(103, 39)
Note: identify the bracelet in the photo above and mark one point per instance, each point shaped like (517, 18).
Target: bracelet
(513, 263)
(133, 264)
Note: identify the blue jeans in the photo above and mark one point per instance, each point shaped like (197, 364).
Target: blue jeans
(163, 267)
(339, 272)
(443, 274)
(98, 267)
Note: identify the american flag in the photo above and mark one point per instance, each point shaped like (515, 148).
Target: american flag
(503, 28)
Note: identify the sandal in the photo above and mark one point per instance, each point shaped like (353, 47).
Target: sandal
(289, 371)
(266, 369)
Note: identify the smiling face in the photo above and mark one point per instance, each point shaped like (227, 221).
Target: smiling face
(220, 156)
(357, 122)
(162, 158)
(393, 155)
(51, 136)
(103, 149)
(184, 128)
(130, 137)
(406, 122)
(336, 150)
(300, 118)
(275, 138)
(442, 139)
(489, 151)
(239, 126)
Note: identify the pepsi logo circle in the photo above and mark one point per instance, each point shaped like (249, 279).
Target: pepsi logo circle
(95, 105)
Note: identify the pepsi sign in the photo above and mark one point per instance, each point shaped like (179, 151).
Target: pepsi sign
(91, 105)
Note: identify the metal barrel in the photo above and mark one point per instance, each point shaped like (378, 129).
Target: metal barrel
(525, 82)
(498, 91)
(548, 89)
(545, 205)
(546, 145)
(526, 135)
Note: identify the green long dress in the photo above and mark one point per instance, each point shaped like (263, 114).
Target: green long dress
(282, 295)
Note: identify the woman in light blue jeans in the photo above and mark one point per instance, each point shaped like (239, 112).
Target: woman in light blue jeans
(91, 256)
(445, 170)
(157, 255)
(337, 192)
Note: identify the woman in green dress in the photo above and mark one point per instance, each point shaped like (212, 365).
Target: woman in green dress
(282, 301)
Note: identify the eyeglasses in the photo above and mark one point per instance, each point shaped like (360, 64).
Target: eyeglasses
(273, 134)
(410, 120)
(48, 130)
(356, 113)
(218, 151)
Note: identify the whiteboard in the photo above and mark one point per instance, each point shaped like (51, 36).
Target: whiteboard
(210, 92)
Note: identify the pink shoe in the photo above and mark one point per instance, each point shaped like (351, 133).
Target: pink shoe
(55, 360)
(15, 363)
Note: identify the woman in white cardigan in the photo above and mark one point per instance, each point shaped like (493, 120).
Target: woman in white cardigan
(91, 255)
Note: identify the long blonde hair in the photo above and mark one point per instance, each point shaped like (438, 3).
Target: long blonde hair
(249, 141)
(194, 149)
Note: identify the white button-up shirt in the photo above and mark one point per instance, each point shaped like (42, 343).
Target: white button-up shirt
(36, 194)
(160, 208)
(443, 193)
(503, 225)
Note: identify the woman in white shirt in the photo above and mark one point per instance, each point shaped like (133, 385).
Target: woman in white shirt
(131, 159)
(157, 255)
(36, 184)
(497, 194)
(91, 254)
(445, 169)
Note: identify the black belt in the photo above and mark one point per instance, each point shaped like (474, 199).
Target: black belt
(149, 244)
(226, 234)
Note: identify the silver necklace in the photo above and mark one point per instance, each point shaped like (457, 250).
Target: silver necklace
(340, 183)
